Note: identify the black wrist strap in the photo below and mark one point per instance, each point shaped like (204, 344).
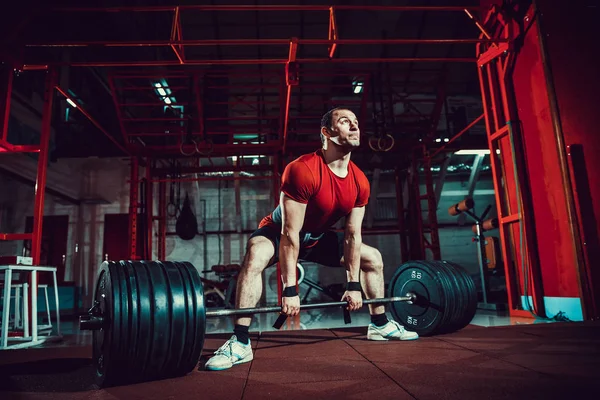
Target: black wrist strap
(353, 287)
(290, 291)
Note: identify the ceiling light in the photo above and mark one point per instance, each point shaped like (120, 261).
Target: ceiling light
(472, 152)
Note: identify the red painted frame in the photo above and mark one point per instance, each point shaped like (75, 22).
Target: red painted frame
(513, 209)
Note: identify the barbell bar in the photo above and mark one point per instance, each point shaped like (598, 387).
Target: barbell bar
(148, 318)
(93, 322)
(259, 310)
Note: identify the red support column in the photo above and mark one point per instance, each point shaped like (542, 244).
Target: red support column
(401, 221)
(6, 80)
(149, 209)
(40, 189)
(427, 231)
(431, 228)
(40, 183)
(162, 220)
(510, 176)
(133, 207)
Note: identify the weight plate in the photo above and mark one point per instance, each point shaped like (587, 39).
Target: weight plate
(161, 317)
(426, 314)
(447, 299)
(178, 312)
(142, 346)
(102, 338)
(450, 291)
(469, 295)
(154, 321)
(133, 336)
(454, 293)
(122, 320)
(196, 316)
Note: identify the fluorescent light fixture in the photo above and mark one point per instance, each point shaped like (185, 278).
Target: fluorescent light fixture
(163, 90)
(357, 85)
(438, 140)
(446, 140)
(249, 156)
(71, 102)
(472, 152)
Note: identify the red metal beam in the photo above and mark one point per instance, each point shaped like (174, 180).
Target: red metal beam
(215, 178)
(291, 79)
(6, 83)
(503, 171)
(333, 36)
(270, 61)
(227, 150)
(162, 220)
(111, 84)
(400, 214)
(16, 236)
(133, 207)
(6, 147)
(176, 36)
(217, 168)
(334, 41)
(199, 104)
(455, 137)
(92, 120)
(265, 8)
(481, 28)
(40, 183)
(148, 208)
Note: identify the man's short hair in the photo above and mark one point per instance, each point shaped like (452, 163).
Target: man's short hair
(327, 120)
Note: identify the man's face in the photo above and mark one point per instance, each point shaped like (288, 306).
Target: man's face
(345, 131)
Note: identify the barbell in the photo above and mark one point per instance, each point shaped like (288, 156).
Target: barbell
(148, 318)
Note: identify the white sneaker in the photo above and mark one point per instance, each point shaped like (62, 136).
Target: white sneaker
(390, 331)
(230, 354)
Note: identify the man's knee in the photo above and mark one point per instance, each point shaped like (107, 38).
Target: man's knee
(259, 251)
(371, 259)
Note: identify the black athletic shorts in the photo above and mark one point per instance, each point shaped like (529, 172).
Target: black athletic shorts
(325, 249)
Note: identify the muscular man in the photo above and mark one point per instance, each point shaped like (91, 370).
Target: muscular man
(317, 190)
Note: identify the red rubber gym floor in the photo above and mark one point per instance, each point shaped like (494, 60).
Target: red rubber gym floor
(540, 361)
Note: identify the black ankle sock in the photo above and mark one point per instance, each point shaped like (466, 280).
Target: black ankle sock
(241, 332)
(379, 319)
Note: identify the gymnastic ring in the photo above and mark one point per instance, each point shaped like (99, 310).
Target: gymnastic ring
(211, 147)
(392, 141)
(371, 143)
(193, 151)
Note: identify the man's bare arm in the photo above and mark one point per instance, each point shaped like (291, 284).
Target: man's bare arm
(292, 213)
(353, 242)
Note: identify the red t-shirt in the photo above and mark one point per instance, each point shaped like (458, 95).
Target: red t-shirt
(308, 180)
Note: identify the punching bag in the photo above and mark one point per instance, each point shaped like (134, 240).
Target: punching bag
(186, 226)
